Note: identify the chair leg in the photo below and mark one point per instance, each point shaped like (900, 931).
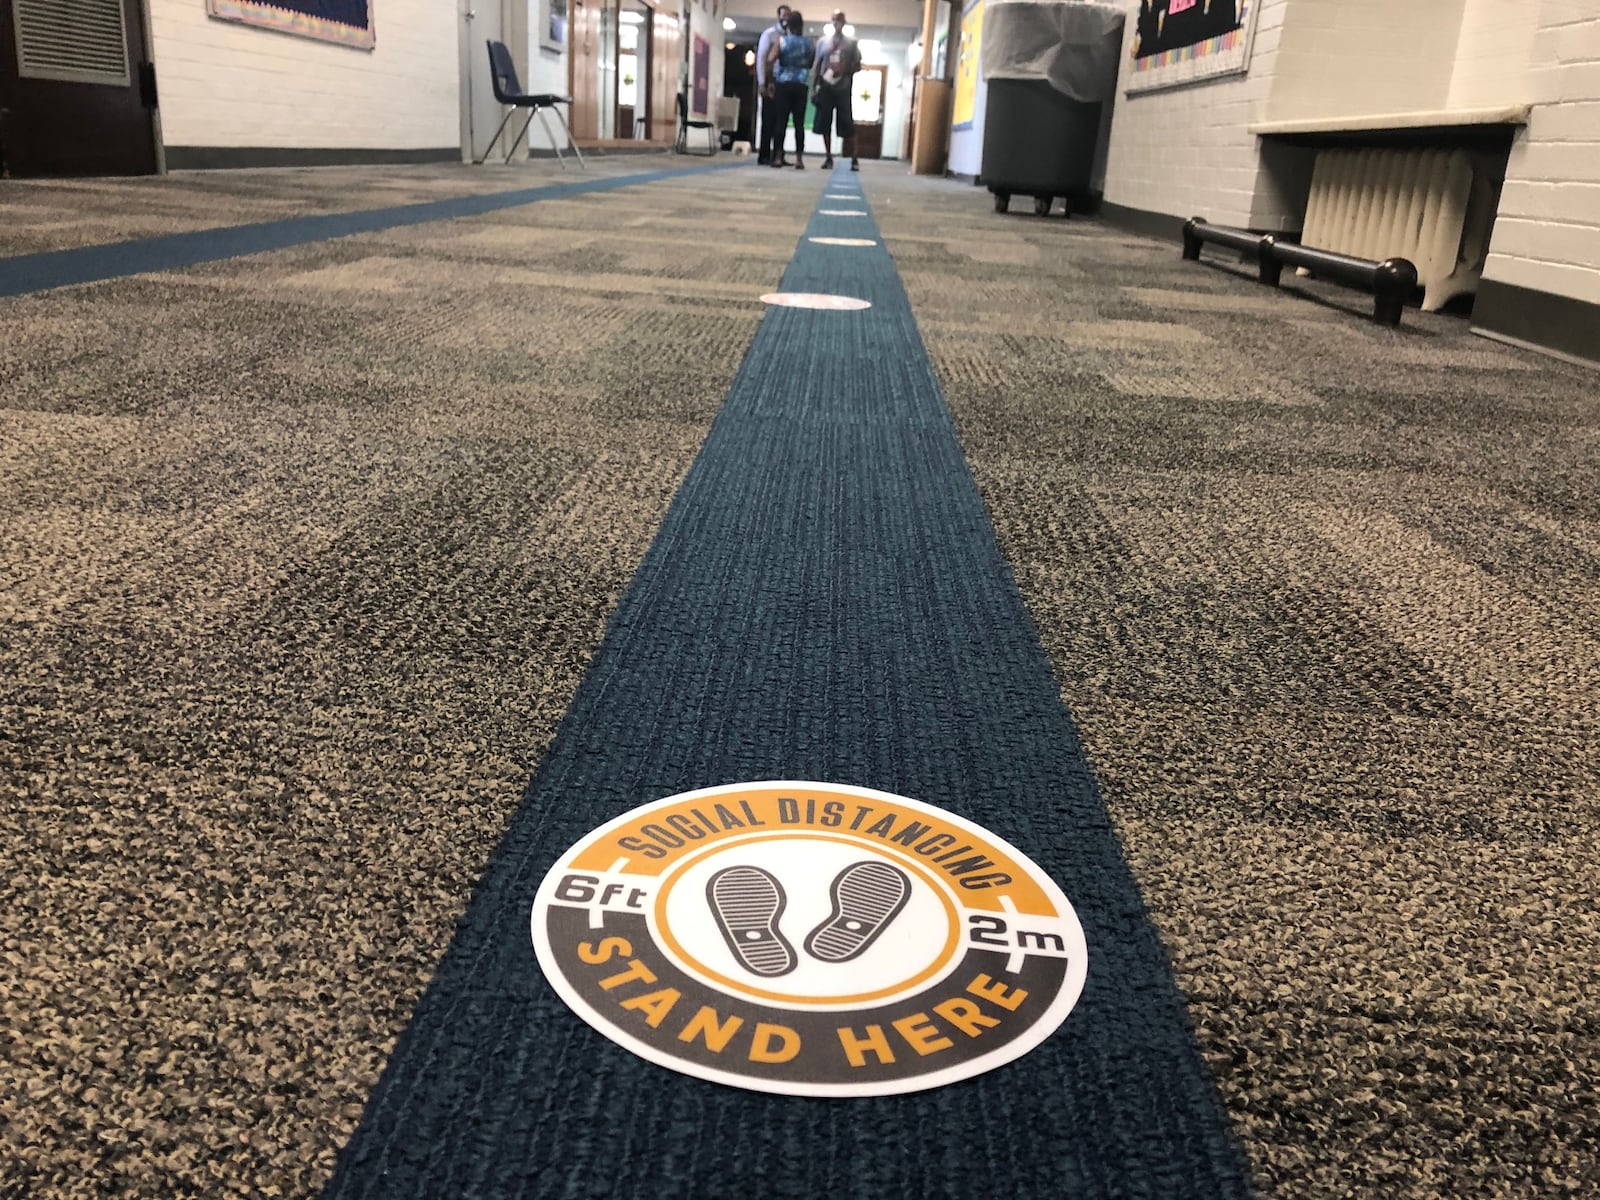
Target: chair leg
(572, 142)
(478, 162)
(520, 134)
(554, 145)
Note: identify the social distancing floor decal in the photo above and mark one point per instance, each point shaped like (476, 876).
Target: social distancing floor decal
(809, 939)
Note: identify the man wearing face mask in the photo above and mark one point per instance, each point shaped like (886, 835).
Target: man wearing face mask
(770, 108)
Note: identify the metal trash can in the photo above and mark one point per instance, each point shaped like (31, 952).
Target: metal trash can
(1051, 67)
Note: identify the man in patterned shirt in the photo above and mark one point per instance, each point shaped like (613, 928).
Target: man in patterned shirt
(838, 60)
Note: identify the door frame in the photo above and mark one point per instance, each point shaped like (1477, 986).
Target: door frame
(883, 102)
(141, 88)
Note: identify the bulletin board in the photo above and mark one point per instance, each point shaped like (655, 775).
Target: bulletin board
(966, 97)
(700, 87)
(348, 22)
(1185, 41)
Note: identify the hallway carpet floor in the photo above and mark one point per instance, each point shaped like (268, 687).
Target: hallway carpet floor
(304, 555)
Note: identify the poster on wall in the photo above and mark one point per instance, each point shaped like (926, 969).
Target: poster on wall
(967, 66)
(553, 26)
(700, 95)
(1181, 41)
(348, 22)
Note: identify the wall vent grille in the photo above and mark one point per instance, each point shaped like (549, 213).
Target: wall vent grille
(80, 41)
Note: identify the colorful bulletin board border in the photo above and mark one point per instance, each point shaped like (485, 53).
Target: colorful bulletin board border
(1207, 56)
(347, 22)
(967, 66)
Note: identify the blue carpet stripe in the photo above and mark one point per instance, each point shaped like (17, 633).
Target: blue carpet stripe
(825, 600)
(90, 264)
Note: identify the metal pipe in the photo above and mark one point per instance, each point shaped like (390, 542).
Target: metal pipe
(1391, 281)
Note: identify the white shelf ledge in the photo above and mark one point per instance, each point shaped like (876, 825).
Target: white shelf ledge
(1516, 114)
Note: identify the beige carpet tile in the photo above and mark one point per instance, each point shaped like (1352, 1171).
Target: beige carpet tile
(301, 558)
(38, 215)
(1322, 599)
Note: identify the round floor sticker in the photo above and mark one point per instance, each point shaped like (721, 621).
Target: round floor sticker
(816, 300)
(809, 939)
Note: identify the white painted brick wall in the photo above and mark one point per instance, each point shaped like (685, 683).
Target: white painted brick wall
(1188, 151)
(1343, 58)
(1547, 234)
(1492, 55)
(226, 84)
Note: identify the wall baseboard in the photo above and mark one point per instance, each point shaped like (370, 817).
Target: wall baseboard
(607, 151)
(1559, 325)
(1162, 226)
(225, 158)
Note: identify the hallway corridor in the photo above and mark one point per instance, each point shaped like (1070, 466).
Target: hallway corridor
(311, 559)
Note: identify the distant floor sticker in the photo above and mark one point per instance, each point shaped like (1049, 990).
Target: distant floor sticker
(833, 241)
(815, 300)
(810, 939)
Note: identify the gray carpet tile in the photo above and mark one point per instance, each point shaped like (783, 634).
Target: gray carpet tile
(58, 214)
(1322, 597)
(301, 557)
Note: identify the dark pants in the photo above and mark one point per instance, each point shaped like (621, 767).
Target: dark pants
(792, 106)
(771, 112)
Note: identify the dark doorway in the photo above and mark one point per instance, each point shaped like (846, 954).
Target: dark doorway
(77, 89)
(871, 87)
(739, 80)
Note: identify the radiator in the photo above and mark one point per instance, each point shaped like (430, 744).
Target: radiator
(1434, 207)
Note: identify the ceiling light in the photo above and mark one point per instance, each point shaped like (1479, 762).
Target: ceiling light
(849, 30)
(749, 56)
(827, 30)
(729, 24)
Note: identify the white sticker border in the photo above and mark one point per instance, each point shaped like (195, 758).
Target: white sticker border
(1054, 1016)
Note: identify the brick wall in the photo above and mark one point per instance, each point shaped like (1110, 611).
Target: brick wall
(228, 85)
(1547, 235)
(1492, 56)
(1189, 151)
(1346, 58)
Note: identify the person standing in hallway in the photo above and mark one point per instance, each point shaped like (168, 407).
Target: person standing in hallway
(765, 87)
(837, 61)
(789, 63)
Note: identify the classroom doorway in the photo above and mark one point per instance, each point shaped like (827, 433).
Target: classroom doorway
(619, 89)
(867, 107)
(77, 89)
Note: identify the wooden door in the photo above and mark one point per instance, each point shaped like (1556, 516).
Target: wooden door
(866, 106)
(77, 89)
(583, 67)
(666, 59)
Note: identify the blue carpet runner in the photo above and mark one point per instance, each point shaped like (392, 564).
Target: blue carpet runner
(825, 600)
(25, 273)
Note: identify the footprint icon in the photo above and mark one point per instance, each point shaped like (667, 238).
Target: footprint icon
(867, 896)
(747, 902)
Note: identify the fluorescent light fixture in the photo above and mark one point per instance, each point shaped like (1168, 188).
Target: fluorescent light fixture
(827, 30)
(849, 30)
(729, 24)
